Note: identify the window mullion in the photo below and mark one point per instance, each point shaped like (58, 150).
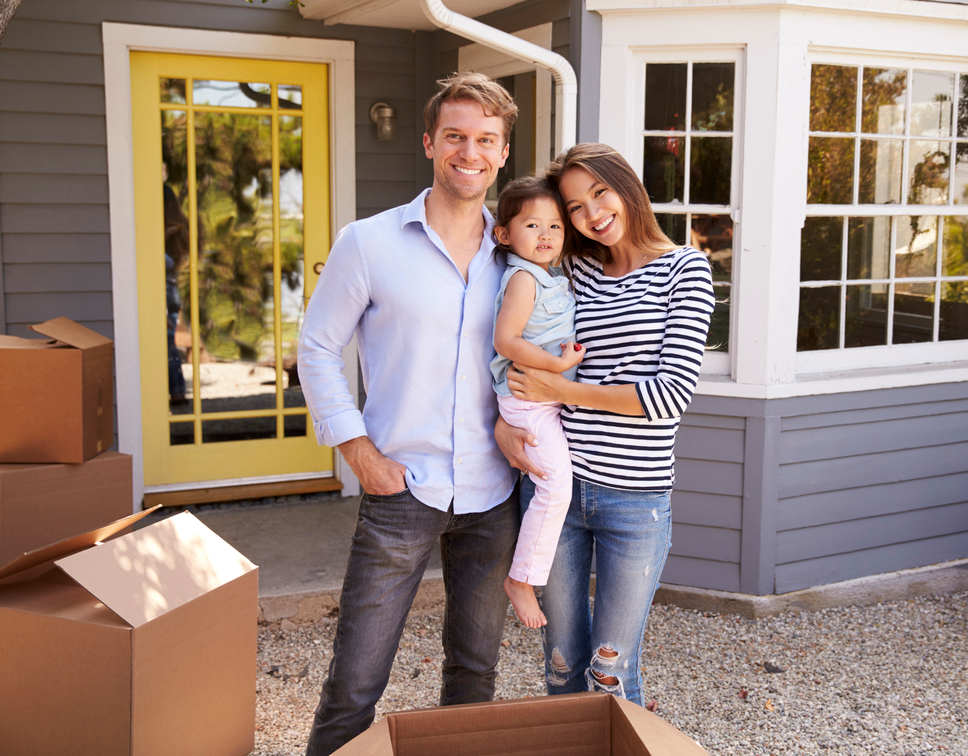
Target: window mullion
(687, 155)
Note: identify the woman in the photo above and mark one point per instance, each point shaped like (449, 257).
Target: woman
(644, 305)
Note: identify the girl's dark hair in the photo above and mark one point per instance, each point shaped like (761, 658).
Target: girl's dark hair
(519, 193)
(613, 170)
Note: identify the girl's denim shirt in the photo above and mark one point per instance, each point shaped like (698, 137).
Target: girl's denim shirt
(552, 321)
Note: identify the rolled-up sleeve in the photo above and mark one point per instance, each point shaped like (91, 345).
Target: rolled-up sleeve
(334, 312)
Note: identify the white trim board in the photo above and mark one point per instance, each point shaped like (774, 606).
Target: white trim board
(119, 41)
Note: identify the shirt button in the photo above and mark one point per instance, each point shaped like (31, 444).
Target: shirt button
(463, 377)
(460, 419)
(459, 461)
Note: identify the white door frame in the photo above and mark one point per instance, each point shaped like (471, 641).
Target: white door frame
(119, 40)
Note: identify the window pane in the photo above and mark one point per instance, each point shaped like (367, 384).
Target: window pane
(963, 107)
(865, 320)
(830, 171)
(709, 174)
(880, 171)
(718, 338)
(665, 97)
(173, 90)
(712, 96)
(821, 242)
(673, 225)
(917, 245)
(954, 311)
(238, 429)
(181, 434)
(928, 173)
(294, 425)
(868, 248)
(663, 170)
(913, 313)
(954, 260)
(932, 95)
(883, 107)
(819, 320)
(713, 236)
(959, 186)
(231, 94)
(833, 98)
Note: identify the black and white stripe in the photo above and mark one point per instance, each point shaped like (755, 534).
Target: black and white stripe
(647, 328)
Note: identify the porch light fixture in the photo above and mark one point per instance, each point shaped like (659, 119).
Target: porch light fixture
(385, 119)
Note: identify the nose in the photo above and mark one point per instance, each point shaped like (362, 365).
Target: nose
(468, 150)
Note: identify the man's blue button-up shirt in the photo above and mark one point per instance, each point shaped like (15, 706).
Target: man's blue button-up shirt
(424, 338)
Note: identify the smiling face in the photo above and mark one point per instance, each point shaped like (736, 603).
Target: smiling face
(594, 209)
(537, 233)
(467, 149)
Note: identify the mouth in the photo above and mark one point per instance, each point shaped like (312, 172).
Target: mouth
(604, 224)
(469, 171)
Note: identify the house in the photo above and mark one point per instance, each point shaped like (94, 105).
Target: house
(825, 141)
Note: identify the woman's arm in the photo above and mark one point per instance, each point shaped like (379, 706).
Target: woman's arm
(516, 309)
(536, 385)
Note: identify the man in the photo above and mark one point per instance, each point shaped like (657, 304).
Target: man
(417, 285)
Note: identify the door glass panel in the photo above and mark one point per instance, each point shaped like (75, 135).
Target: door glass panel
(231, 94)
(290, 96)
(292, 285)
(235, 262)
(295, 425)
(173, 91)
(238, 429)
(181, 434)
(177, 236)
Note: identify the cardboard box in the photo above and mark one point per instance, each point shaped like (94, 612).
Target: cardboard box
(56, 394)
(42, 504)
(144, 644)
(579, 724)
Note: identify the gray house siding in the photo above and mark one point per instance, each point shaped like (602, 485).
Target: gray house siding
(53, 157)
(829, 488)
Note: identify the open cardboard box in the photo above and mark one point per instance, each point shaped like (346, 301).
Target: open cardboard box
(56, 394)
(42, 504)
(578, 724)
(144, 644)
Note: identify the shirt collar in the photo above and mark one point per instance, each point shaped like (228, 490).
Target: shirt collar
(416, 212)
(546, 278)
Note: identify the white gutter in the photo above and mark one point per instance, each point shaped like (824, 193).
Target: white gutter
(566, 83)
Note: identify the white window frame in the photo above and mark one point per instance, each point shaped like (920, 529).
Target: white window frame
(119, 41)
(714, 363)
(888, 355)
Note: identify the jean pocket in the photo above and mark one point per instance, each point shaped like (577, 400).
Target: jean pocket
(386, 497)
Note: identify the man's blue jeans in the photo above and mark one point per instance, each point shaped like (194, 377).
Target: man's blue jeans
(394, 538)
(629, 532)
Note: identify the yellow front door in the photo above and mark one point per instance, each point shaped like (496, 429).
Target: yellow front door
(232, 209)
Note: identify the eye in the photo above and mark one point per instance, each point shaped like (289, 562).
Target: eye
(600, 192)
(574, 209)
(532, 225)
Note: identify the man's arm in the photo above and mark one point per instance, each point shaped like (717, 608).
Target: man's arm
(335, 309)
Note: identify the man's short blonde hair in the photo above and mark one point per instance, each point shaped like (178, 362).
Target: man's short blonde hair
(467, 85)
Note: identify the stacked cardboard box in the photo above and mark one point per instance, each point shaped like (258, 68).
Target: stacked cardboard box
(143, 644)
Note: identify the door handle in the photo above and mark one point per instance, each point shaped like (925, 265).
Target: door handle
(318, 268)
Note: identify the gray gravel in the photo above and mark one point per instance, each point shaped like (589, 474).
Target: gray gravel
(883, 679)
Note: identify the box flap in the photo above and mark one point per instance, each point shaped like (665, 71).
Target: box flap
(660, 737)
(156, 569)
(69, 545)
(15, 342)
(66, 330)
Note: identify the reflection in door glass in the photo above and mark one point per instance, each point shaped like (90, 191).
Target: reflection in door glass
(235, 262)
(291, 287)
(231, 94)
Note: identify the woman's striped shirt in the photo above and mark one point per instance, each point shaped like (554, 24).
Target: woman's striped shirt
(647, 328)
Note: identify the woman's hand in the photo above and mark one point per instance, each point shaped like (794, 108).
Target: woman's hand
(535, 385)
(511, 441)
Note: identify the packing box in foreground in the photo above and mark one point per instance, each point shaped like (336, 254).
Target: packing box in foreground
(41, 504)
(144, 644)
(580, 724)
(56, 394)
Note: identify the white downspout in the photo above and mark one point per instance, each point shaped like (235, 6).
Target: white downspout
(566, 83)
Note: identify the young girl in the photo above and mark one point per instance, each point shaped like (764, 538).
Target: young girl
(535, 326)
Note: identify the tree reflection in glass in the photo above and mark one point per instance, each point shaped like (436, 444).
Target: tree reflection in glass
(916, 246)
(884, 93)
(712, 96)
(818, 325)
(663, 170)
(830, 171)
(821, 242)
(709, 171)
(665, 96)
(865, 316)
(913, 313)
(833, 98)
(868, 248)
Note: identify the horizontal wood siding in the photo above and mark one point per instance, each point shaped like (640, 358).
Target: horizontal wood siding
(874, 487)
(707, 503)
(54, 214)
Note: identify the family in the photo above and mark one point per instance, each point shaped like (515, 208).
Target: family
(563, 338)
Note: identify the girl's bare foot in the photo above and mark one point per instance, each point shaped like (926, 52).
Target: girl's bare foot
(524, 602)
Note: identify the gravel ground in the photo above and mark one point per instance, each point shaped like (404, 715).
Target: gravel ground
(884, 679)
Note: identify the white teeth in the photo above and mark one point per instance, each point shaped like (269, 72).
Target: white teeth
(604, 224)
(468, 171)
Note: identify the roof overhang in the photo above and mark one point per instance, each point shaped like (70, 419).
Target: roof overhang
(392, 14)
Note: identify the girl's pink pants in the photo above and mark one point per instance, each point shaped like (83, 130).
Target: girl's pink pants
(538, 537)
